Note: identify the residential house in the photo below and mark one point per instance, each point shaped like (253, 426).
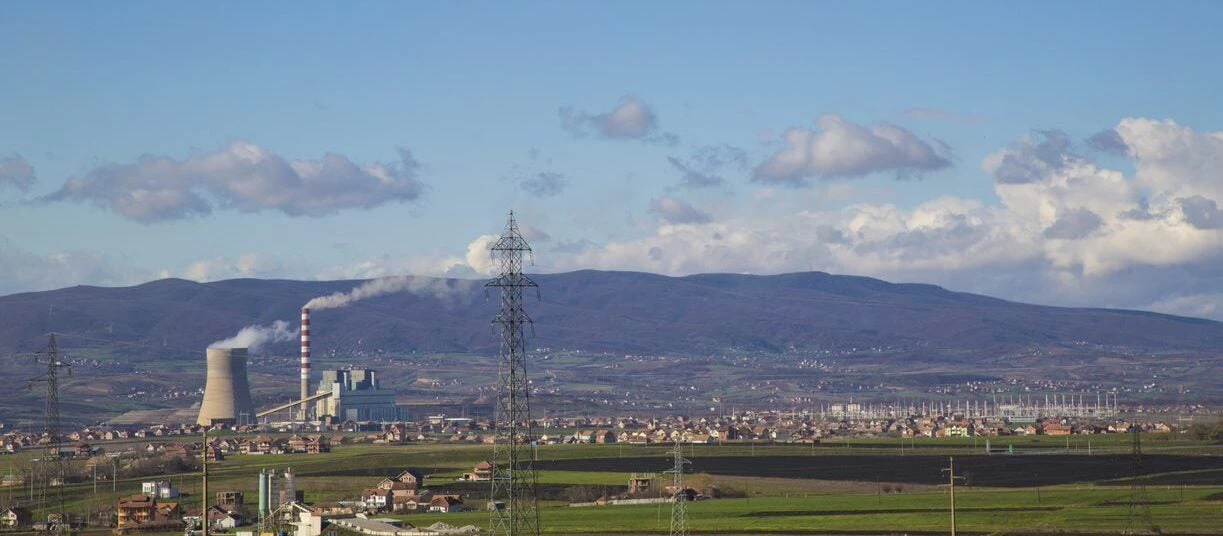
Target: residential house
(223, 519)
(169, 511)
(483, 471)
(446, 504)
(1056, 429)
(136, 510)
(411, 502)
(16, 516)
(376, 498)
(412, 478)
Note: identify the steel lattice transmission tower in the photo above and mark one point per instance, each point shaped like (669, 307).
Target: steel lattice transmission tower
(1140, 504)
(513, 499)
(52, 469)
(679, 507)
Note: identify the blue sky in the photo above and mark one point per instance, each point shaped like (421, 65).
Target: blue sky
(872, 138)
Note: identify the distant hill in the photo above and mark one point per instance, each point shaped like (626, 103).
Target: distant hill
(592, 310)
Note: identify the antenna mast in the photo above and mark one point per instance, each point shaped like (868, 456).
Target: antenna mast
(513, 498)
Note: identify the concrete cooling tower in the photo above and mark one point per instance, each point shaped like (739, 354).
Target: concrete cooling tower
(227, 396)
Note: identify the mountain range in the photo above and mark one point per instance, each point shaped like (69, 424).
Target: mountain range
(624, 312)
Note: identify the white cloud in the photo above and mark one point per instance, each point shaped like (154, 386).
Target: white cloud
(1066, 231)
(840, 148)
(242, 177)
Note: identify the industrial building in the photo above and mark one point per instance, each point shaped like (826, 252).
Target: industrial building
(355, 396)
(227, 396)
(277, 490)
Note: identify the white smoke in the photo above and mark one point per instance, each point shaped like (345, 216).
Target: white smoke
(254, 337)
(442, 289)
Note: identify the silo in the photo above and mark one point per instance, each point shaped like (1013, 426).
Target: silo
(227, 396)
(265, 493)
(290, 491)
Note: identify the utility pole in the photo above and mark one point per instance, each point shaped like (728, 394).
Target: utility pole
(513, 496)
(950, 470)
(204, 507)
(679, 508)
(53, 470)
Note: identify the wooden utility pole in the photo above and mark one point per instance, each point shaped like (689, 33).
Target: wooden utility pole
(950, 470)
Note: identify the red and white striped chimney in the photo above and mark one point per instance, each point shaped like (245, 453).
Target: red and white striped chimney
(305, 360)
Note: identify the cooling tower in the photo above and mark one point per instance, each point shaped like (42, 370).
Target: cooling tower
(227, 396)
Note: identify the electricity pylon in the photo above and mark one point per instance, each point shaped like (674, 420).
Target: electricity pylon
(513, 499)
(1140, 505)
(679, 507)
(53, 472)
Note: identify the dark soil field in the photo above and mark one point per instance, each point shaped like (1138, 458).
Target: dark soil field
(985, 471)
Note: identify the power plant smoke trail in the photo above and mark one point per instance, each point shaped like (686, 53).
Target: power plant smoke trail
(254, 337)
(445, 290)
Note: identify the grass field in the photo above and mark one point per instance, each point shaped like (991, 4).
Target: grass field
(1186, 501)
(1087, 510)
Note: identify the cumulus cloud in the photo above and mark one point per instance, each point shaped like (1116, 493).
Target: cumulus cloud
(1065, 230)
(677, 211)
(242, 177)
(704, 168)
(15, 171)
(630, 119)
(1032, 158)
(841, 149)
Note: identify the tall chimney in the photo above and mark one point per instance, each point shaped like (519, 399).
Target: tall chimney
(305, 362)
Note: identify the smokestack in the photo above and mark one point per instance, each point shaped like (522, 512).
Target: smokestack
(305, 361)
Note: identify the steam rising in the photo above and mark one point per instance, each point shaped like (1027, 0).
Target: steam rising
(254, 337)
(442, 289)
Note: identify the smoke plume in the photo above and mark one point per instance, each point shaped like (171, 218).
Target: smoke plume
(443, 289)
(254, 337)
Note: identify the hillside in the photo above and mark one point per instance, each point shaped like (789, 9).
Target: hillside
(593, 310)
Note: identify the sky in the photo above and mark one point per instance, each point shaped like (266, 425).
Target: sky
(1047, 152)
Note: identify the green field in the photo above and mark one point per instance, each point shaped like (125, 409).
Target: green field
(768, 505)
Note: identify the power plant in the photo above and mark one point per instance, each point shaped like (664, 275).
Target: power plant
(355, 396)
(227, 395)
